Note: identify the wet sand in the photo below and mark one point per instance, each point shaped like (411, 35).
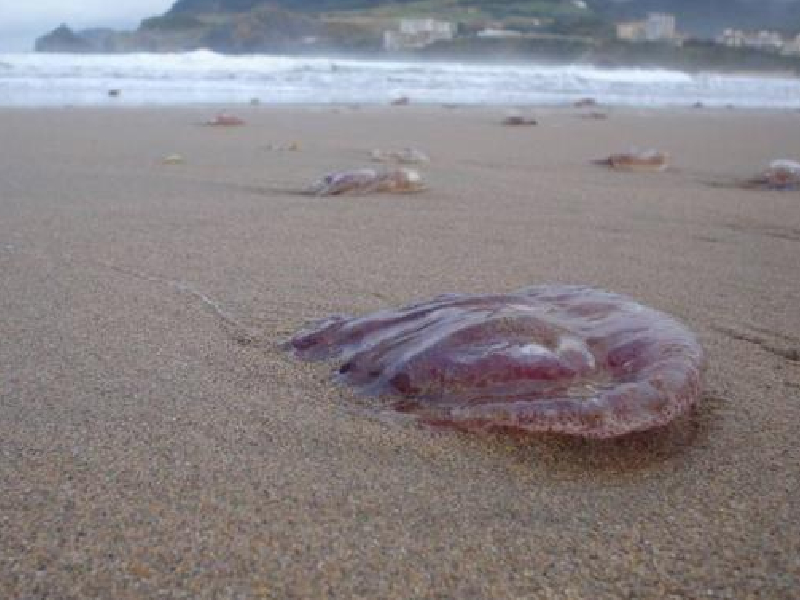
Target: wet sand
(156, 442)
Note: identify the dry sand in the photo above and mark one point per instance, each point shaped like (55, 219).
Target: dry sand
(148, 453)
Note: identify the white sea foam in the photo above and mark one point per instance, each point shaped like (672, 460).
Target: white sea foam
(206, 77)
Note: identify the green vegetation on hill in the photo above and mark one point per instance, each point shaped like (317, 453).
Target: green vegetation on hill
(552, 30)
(172, 21)
(706, 18)
(698, 17)
(493, 9)
(63, 39)
(230, 6)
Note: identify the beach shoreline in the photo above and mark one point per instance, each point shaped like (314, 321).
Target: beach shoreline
(149, 449)
(202, 76)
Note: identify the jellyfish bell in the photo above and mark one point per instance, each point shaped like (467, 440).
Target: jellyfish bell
(400, 180)
(565, 359)
(646, 160)
(517, 118)
(782, 174)
(224, 119)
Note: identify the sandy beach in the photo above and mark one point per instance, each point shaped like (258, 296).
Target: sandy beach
(156, 442)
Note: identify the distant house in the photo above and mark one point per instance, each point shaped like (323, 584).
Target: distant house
(658, 27)
(498, 33)
(631, 31)
(765, 40)
(418, 33)
(734, 38)
(770, 41)
(792, 47)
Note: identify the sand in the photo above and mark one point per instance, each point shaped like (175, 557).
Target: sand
(152, 448)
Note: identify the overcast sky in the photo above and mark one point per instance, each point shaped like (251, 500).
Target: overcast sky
(22, 21)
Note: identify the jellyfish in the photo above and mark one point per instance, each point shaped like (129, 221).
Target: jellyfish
(780, 174)
(364, 181)
(567, 359)
(225, 120)
(646, 160)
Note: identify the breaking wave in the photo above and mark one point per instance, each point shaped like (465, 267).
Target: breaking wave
(206, 77)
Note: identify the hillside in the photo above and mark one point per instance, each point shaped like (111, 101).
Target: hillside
(548, 30)
(205, 6)
(698, 17)
(556, 16)
(706, 18)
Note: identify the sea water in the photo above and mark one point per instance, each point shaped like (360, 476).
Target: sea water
(199, 77)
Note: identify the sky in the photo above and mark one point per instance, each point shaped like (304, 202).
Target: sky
(22, 21)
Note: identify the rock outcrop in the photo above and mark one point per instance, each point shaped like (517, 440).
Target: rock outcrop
(63, 39)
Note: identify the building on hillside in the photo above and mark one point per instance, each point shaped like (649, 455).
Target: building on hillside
(766, 40)
(631, 31)
(658, 27)
(418, 33)
(498, 33)
(792, 47)
(770, 41)
(734, 38)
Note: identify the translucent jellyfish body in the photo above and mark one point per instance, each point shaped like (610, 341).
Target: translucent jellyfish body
(364, 181)
(566, 359)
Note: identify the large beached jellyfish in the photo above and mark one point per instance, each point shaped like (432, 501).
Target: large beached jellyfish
(781, 174)
(566, 359)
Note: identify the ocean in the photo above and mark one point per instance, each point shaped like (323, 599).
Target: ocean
(204, 77)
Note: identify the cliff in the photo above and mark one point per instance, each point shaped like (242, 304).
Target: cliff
(63, 39)
(263, 28)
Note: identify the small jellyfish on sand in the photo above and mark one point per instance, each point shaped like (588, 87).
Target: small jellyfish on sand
(225, 120)
(405, 156)
(560, 358)
(366, 181)
(173, 159)
(781, 174)
(287, 147)
(518, 119)
(585, 103)
(646, 160)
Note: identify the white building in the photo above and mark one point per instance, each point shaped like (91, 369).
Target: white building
(767, 40)
(792, 47)
(659, 27)
(771, 41)
(490, 32)
(732, 37)
(443, 29)
(418, 33)
(631, 31)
